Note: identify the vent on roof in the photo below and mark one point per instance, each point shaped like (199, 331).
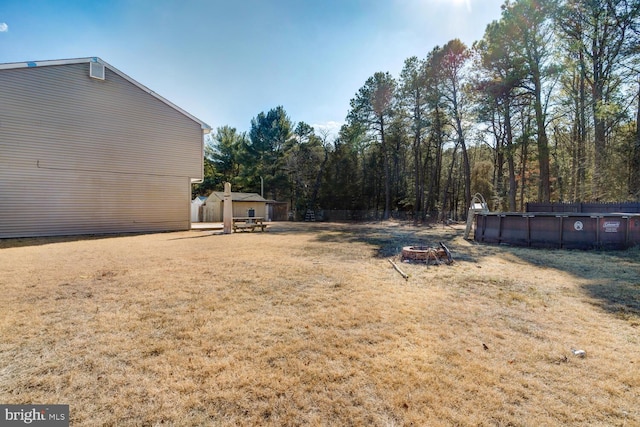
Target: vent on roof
(96, 70)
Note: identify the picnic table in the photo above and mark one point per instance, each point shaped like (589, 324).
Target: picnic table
(248, 223)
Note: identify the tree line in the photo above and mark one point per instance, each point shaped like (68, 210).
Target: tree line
(543, 108)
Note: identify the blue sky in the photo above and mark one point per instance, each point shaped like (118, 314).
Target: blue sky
(226, 61)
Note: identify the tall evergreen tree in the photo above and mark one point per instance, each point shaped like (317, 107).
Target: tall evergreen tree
(597, 34)
(270, 134)
(373, 107)
(225, 151)
(530, 28)
(501, 77)
(412, 100)
(343, 184)
(452, 61)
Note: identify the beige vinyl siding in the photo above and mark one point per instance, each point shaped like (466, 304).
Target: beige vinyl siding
(241, 208)
(65, 203)
(79, 155)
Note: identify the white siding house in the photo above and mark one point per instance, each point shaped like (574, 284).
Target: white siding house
(85, 149)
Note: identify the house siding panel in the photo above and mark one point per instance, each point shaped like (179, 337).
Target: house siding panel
(79, 155)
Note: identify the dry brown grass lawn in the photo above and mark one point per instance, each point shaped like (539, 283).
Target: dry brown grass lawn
(309, 324)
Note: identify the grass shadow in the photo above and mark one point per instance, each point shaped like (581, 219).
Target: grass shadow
(612, 278)
(389, 239)
(204, 233)
(19, 242)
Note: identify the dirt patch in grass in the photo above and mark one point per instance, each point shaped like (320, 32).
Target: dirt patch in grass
(310, 324)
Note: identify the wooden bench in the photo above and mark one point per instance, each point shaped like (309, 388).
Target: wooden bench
(248, 223)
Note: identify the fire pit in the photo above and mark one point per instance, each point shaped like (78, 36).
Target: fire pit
(427, 254)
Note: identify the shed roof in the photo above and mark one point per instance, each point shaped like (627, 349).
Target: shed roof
(30, 64)
(199, 199)
(237, 197)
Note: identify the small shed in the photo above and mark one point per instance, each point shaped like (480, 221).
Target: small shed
(277, 211)
(196, 208)
(244, 204)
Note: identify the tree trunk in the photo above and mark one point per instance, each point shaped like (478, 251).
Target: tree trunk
(417, 169)
(467, 174)
(318, 182)
(582, 132)
(635, 164)
(466, 165)
(445, 193)
(599, 131)
(510, 156)
(434, 180)
(417, 159)
(387, 172)
(524, 159)
(544, 191)
(498, 169)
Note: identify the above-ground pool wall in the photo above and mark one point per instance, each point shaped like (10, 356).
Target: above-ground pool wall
(552, 230)
(585, 207)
